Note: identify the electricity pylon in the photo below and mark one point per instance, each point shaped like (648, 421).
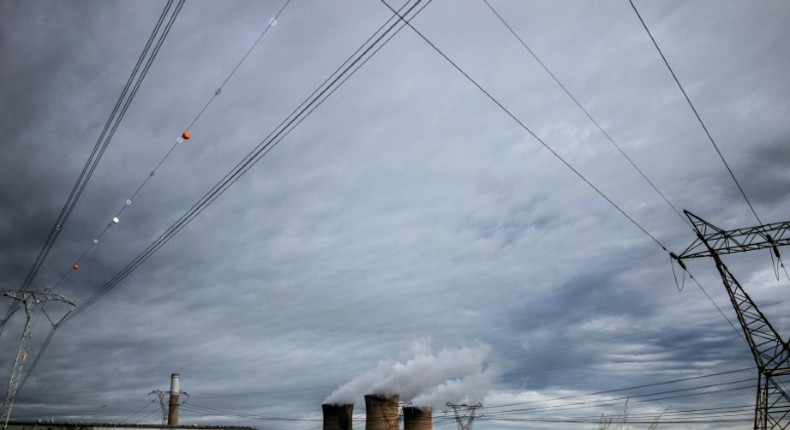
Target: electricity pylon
(166, 410)
(161, 394)
(464, 414)
(29, 299)
(771, 353)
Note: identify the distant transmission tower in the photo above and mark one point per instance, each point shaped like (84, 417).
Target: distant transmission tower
(771, 353)
(464, 414)
(170, 412)
(29, 299)
(161, 394)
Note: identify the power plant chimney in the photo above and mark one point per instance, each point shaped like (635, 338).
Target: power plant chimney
(417, 418)
(337, 417)
(381, 411)
(172, 412)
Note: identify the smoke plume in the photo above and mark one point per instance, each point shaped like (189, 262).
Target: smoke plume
(425, 378)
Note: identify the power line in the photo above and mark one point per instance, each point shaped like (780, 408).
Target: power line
(528, 130)
(557, 155)
(162, 160)
(607, 402)
(276, 136)
(116, 116)
(370, 47)
(745, 384)
(696, 114)
(586, 112)
(149, 176)
(138, 411)
(627, 388)
(272, 23)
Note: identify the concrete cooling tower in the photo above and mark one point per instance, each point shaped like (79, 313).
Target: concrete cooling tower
(417, 418)
(337, 417)
(381, 411)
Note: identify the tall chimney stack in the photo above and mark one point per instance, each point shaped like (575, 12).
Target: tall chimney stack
(172, 412)
(337, 417)
(417, 418)
(381, 411)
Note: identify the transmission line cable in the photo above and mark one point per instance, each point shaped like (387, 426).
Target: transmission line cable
(137, 411)
(106, 135)
(529, 130)
(717, 411)
(627, 388)
(622, 421)
(272, 23)
(231, 177)
(200, 409)
(553, 152)
(587, 113)
(643, 398)
(715, 146)
(152, 173)
(696, 114)
(369, 48)
(162, 160)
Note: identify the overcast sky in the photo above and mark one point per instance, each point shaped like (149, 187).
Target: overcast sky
(408, 218)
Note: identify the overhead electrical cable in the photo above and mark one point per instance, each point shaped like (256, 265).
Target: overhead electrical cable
(538, 409)
(276, 136)
(369, 48)
(627, 388)
(148, 177)
(532, 133)
(718, 151)
(587, 113)
(453, 370)
(116, 116)
(696, 114)
(138, 411)
(699, 412)
(556, 154)
(218, 91)
(745, 384)
(622, 421)
(631, 397)
(180, 139)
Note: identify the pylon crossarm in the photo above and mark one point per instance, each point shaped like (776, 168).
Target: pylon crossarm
(768, 236)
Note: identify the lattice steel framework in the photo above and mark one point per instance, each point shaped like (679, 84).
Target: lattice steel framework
(161, 395)
(29, 299)
(464, 414)
(771, 353)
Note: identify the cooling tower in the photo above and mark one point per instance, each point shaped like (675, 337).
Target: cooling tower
(417, 418)
(337, 417)
(381, 411)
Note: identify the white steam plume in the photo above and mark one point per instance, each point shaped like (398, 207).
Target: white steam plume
(425, 378)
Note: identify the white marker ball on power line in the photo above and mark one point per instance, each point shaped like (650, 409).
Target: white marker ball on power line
(115, 220)
(273, 21)
(128, 202)
(95, 241)
(179, 139)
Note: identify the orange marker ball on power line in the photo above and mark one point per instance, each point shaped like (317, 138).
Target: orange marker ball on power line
(186, 135)
(76, 266)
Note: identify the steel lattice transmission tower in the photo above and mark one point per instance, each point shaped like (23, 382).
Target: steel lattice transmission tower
(161, 394)
(770, 351)
(464, 414)
(29, 299)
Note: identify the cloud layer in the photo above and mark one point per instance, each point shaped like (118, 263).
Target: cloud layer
(408, 206)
